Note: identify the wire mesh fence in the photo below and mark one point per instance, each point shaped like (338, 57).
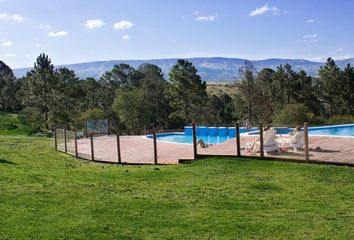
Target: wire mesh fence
(71, 143)
(60, 139)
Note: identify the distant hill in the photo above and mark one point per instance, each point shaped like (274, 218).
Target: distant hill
(216, 69)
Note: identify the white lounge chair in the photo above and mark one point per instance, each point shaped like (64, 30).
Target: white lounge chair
(296, 142)
(269, 143)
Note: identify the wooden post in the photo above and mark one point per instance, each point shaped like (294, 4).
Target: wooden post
(261, 143)
(155, 146)
(195, 153)
(238, 140)
(107, 127)
(92, 150)
(86, 133)
(118, 148)
(306, 141)
(55, 139)
(65, 143)
(75, 139)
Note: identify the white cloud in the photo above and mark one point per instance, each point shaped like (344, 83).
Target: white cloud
(17, 18)
(264, 9)
(7, 43)
(310, 21)
(339, 50)
(123, 25)
(94, 23)
(9, 55)
(43, 26)
(126, 37)
(206, 18)
(310, 38)
(57, 34)
(14, 17)
(195, 12)
(38, 44)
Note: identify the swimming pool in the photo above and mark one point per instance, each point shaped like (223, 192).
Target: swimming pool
(210, 135)
(346, 130)
(214, 135)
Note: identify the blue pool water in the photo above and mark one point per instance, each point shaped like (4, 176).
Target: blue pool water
(213, 135)
(210, 135)
(338, 130)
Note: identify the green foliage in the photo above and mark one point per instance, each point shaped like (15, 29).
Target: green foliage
(46, 194)
(129, 106)
(341, 119)
(187, 93)
(330, 82)
(8, 89)
(40, 88)
(291, 115)
(8, 121)
(31, 120)
(92, 114)
(313, 119)
(61, 99)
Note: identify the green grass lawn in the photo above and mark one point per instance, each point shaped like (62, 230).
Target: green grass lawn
(49, 195)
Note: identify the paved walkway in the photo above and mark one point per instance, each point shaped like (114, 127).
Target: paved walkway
(139, 150)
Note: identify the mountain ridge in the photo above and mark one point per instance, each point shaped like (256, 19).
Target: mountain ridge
(210, 68)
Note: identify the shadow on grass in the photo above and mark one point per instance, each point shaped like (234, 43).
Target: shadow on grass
(6, 162)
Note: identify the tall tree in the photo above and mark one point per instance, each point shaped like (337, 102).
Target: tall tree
(40, 87)
(8, 89)
(187, 92)
(330, 81)
(153, 85)
(68, 98)
(348, 89)
(121, 76)
(247, 85)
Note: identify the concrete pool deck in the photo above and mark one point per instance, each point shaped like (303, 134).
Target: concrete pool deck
(139, 150)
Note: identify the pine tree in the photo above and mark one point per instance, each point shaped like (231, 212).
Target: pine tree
(187, 93)
(40, 87)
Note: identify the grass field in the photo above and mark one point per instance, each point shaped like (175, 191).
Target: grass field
(50, 195)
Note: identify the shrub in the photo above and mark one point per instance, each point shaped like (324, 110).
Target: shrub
(315, 120)
(31, 120)
(8, 122)
(291, 115)
(341, 119)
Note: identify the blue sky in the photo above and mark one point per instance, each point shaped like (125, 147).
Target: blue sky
(81, 31)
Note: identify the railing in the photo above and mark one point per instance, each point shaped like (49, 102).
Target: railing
(93, 148)
(120, 150)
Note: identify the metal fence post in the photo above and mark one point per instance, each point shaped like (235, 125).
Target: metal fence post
(306, 141)
(238, 140)
(118, 148)
(155, 146)
(92, 149)
(55, 139)
(261, 143)
(65, 141)
(195, 153)
(75, 139)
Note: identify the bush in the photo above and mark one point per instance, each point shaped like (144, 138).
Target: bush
(8, 122)
(315, 120)
(31, 120)
(341, 119)
(291, 115)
